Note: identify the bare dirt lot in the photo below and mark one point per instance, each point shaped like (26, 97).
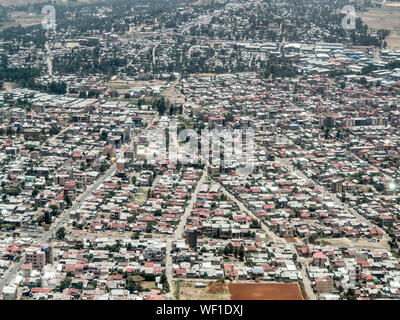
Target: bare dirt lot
(23, 19)
(294, 239)
(122, 84)
(265, 291)
(7, 86)
(148, 285)
(387, 17)
(213, 291)
(359, 243)
(173, 96)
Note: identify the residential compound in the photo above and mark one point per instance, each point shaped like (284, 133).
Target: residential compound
(101, 201)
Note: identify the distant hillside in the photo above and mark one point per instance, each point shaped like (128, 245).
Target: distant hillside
(8, 3)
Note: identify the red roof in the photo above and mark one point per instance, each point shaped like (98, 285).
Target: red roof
(319, 255)
(40, 290)
(27, 266)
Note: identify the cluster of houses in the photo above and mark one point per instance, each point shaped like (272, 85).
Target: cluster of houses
(96, 270)
(214, 260)
(371, 273)
(324, 159)
(310, 132)
(54, 148)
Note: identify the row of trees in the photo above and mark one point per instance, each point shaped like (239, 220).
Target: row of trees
(26, 77)
(229, 249)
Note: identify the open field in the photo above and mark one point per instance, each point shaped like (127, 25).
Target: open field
(140, 197)
(24, 19)
(358, 243)
(29, 17)
(148, 285)
(294, 239)
(387, 17)
(392, 4)
(213, 291)
(9, 86)
(121, 84)
(265, 291)
(173, 96)
(8, 3)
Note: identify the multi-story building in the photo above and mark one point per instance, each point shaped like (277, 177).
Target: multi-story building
(36, 257)
(191, 237)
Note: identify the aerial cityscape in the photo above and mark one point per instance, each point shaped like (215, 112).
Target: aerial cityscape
(199, 150)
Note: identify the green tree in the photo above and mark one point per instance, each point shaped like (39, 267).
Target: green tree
(60, 234)
(350, 294)
(241, 253)
(65, 283)
(47, 217)
(103, 135)
(68, 200)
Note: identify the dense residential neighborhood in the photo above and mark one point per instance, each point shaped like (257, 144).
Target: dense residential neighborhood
(111, 188)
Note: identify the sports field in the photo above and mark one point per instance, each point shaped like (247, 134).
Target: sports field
(265, 291)
(387, 17)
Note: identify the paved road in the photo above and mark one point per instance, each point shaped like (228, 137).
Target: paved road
(275, 239)
(61, 221)
(49, 60)
(172, 95)
(251, 59)
(63, 218)
(242, 207)
(11, 273)
(178, 234)
(154, 53)
(332, 196)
